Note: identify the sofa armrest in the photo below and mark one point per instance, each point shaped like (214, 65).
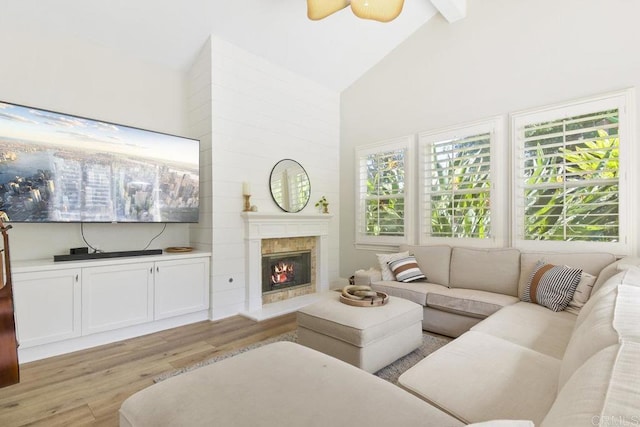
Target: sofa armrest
(366, 277)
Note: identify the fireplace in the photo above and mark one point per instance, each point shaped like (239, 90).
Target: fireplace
(273, 233)
(285, 270)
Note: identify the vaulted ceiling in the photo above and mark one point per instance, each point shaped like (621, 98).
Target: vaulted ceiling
(334, 51)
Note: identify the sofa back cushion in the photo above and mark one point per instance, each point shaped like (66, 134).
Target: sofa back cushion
(603, 391)
(613, 269)
(612, 315)
(591, 263)
(432, 260)
(593, 332)
(491, 270)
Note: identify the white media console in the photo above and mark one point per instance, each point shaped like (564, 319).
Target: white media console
(67, 306)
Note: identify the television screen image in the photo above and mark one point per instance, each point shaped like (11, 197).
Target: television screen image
(61, 168)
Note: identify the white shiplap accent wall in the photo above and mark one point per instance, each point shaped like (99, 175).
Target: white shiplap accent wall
(199, 123)
(260, 113)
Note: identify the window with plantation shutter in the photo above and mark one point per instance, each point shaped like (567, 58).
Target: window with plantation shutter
(382, 203)
(571, 175)
(457, 182)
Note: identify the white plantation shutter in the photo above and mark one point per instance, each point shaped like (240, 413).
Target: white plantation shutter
(382, 202)
(570, 186)
(457, 182)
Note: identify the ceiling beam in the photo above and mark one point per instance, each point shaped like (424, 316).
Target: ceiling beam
(452, 10)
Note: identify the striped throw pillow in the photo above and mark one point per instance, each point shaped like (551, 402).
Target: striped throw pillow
(406, 269)
(552, 286)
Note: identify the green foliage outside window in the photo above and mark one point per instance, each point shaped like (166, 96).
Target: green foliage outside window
(384, 198)
(460, 192)
(571, 179)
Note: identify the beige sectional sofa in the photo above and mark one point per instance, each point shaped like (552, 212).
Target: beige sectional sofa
(556, 369)
(467, 285)
(518, 360)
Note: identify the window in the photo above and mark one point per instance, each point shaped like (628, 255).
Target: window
(571, 175)
(382, 202)
(457, 191)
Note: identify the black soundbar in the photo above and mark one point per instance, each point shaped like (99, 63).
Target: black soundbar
(102, 255)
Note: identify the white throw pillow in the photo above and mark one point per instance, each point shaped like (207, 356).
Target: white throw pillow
(582, 293)
(385, 259)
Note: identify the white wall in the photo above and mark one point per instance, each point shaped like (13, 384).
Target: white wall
(504, 56)
(200, 126)
(76, 77)
(261, 113)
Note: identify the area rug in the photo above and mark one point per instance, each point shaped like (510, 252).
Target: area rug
(391, 373)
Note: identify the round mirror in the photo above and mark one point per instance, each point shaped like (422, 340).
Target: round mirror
(290, 185)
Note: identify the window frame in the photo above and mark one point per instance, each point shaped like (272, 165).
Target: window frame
(495, 126)
(363, 241)
(624, 102)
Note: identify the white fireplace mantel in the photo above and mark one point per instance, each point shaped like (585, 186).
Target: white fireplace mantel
(259, 226)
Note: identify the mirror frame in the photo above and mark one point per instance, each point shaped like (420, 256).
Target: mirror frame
(282, 164)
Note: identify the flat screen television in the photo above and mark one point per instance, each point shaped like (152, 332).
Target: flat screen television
(58, 167)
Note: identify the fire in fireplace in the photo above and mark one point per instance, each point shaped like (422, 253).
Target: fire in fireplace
(285, 270)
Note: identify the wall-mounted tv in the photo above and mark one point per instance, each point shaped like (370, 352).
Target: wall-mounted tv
(61, 168)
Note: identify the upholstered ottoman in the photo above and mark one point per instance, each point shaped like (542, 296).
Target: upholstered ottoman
(367, 337)
(280, 384)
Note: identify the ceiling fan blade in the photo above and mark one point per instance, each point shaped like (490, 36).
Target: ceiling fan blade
(318, 9)
(378, 10)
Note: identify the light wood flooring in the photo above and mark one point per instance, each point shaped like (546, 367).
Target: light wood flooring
(88, 387)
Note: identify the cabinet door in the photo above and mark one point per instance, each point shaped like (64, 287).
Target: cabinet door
(181, 286)
(116, 296)
(47, 306)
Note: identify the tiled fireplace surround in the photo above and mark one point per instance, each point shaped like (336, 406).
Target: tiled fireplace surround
(261, 227)
(285, 246)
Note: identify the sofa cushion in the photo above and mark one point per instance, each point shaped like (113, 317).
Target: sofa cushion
(613, 269)
(593, 332)
(551, 286)
(592, 263)
(582, 293)
(469, 302)
(385, 259)
(278, 384)
(413, 291)
(603, 391)
(433, 261)
(478, 377)
(531, 326)
(610, 316)
(406, 269)
(491, 270)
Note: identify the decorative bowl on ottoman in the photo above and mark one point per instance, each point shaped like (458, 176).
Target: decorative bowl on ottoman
(362, 296)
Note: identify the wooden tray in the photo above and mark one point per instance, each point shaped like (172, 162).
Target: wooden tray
(178, 249)
(381, 299)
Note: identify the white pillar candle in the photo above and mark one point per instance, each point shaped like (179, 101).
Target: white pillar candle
(246, 188)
